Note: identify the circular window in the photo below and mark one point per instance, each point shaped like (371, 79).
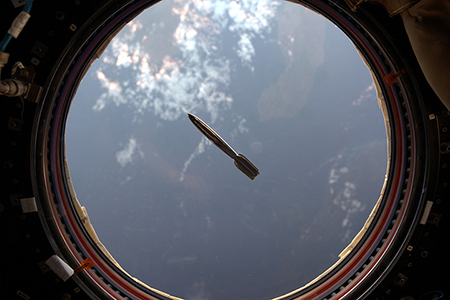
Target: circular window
(283, 86)
(169, 214)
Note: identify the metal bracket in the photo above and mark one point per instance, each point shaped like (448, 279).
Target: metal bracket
(400, 280)
(26, 75)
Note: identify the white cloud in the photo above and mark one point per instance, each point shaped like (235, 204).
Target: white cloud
(344, 194)
(129, 153)
(199, 150)
(366, 95)
(250, 18)
(245, 49)
(113, 93)
(194, 77)
(200, 76)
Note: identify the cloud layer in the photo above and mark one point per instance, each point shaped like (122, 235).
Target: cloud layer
(195, 74)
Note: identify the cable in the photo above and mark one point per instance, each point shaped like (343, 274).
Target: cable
(13, 87)
(28, 5)
(6, 39)
(17, 25)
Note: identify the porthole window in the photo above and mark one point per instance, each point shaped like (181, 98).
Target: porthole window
(283, 86)
(309, 94)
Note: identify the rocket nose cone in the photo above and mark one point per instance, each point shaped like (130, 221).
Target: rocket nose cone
(193, 118)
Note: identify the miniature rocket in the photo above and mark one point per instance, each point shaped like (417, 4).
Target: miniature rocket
(240, 161)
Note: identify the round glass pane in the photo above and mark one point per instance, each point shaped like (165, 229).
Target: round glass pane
(279, 83)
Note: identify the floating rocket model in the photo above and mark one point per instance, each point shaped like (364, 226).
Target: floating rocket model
(240, 161)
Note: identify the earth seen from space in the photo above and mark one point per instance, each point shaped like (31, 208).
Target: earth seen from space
(279, 83)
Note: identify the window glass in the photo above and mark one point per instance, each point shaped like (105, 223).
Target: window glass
(283, 86)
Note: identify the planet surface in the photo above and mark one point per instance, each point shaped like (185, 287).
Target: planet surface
(283, 86)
